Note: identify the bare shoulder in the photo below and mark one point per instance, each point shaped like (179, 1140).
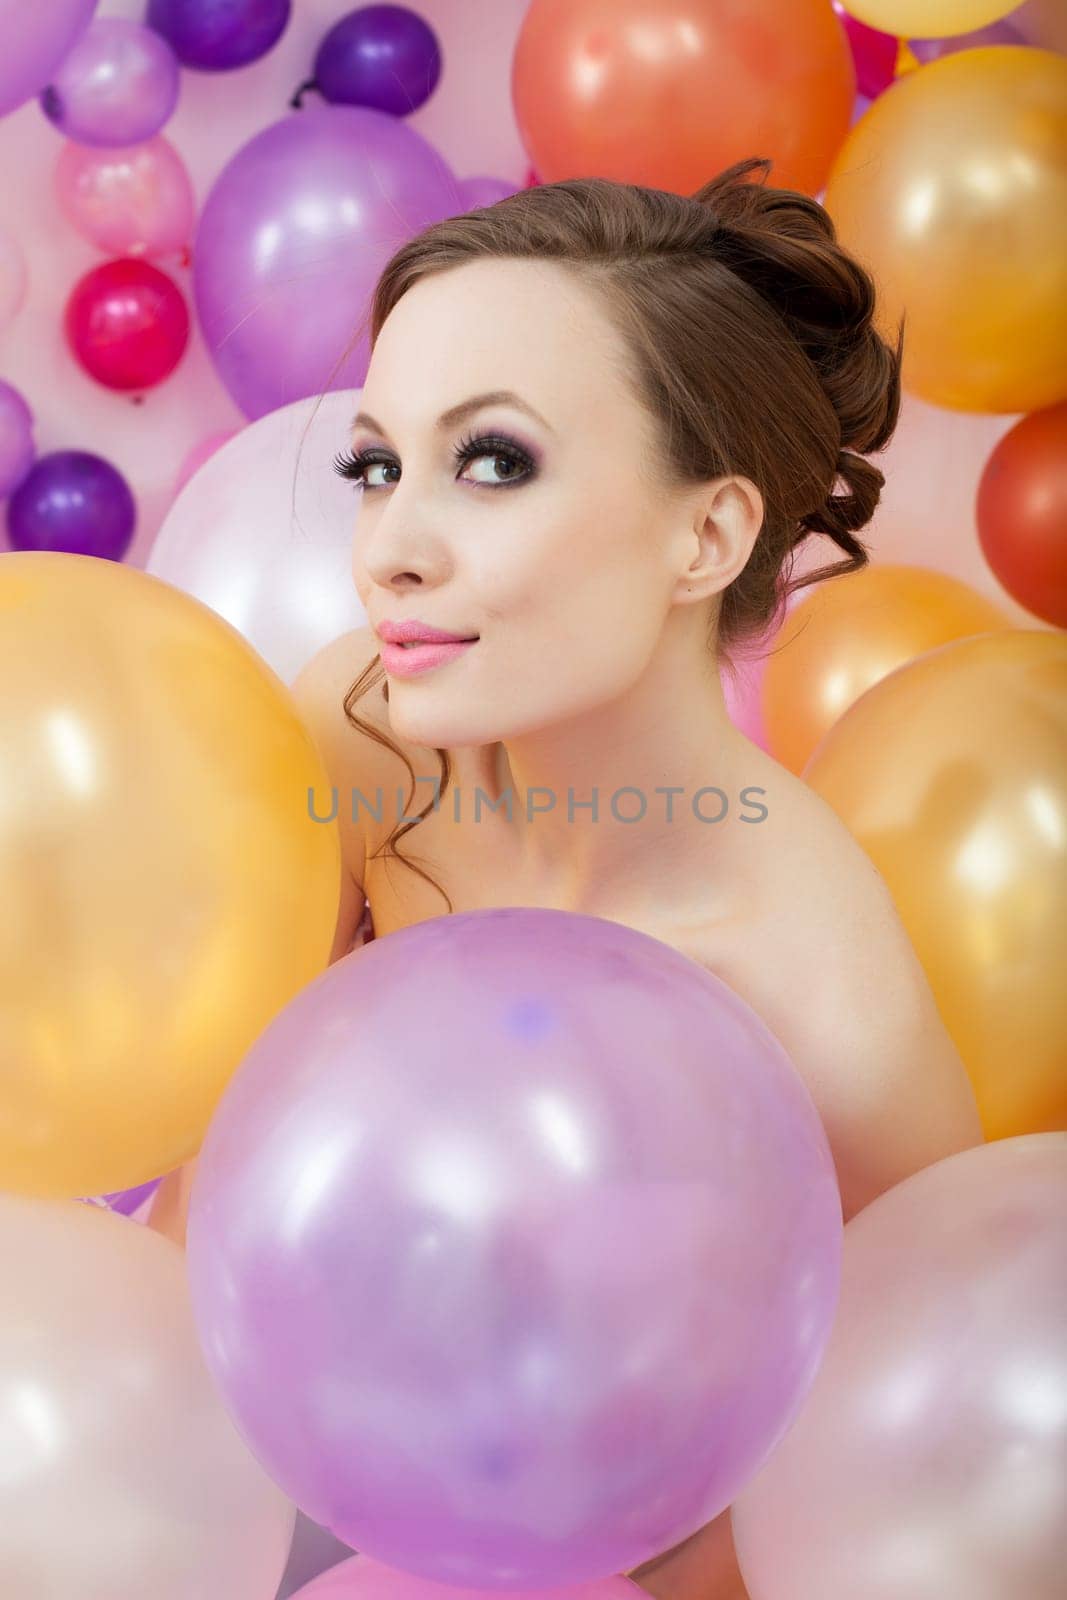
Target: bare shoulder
(369, 758)
(831, 967)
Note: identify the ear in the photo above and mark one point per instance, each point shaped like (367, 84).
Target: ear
(726, 520)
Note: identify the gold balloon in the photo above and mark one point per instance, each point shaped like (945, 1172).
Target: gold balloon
(952, 190)
(928, 19)
(164, 890)
(845, 635)
(952, 775)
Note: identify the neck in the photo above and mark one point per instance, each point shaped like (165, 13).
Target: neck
(593, 820)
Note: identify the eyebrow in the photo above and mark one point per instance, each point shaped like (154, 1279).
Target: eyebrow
(465, 408)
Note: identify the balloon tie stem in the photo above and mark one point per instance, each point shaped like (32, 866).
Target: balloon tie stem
(295, 102)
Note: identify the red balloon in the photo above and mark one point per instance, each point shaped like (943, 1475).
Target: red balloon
(667, 93)
(1022, 513)
(127, 323)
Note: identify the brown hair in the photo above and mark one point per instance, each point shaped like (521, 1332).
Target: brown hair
(750, 337)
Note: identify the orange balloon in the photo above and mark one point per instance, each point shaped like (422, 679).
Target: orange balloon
(165, 891)
(847, 634)
(952, 190)
(667, 93)
(952, 775)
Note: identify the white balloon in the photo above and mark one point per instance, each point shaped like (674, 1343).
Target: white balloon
(121, 1475)
(262, 532)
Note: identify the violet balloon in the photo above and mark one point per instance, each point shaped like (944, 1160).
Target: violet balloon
(1002, 32)
(362, 1579)
(218, 35)
(484, 191)
(294, 235)
(35, 38)
(514, 1246)
(16, 438)
(118, 85)
(382, 56)
(72, 501)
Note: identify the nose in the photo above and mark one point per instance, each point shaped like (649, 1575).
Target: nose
(398, 553)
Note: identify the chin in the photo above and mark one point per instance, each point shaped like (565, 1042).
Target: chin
(434, 727)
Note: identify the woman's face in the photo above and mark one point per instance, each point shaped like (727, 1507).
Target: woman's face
(544, 535)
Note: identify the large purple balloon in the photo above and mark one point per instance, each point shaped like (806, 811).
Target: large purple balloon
(514, 1247)
(292, 239)
(218, 35)
(381, 56)
(34, 38)
(117, 86)
(73, 501)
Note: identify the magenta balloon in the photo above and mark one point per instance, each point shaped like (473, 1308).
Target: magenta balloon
(874, 53)
(137, 201)
(514, 1246)
(34, 38)
(929, 1460)
(292, 239)
(363, 1579)
(118, 85)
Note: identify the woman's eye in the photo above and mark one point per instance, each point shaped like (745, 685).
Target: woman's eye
(498, 459)
(506, 464)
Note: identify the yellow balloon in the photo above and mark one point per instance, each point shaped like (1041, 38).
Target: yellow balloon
(845, 635)
(929, 19)
(164, 890)
(952, 190)
(952, 775)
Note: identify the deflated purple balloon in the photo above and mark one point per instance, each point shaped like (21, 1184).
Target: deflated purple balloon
(514, 1247)
(117, 86)
(292, 239)
(218, 35)
(73, 501)
(382, 56)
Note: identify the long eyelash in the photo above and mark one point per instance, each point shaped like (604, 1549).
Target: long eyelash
(348, 465)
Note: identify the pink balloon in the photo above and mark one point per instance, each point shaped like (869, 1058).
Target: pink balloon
(364, 1579)
(741, 691)
(928, 1462)
(134, 201)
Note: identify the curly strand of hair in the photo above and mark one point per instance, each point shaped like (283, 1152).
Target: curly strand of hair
(368, 679)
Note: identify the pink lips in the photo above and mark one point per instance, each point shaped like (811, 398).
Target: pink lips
(412, 646)
(401, 662)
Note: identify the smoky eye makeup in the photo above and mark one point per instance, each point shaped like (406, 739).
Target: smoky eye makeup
(523, 459)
